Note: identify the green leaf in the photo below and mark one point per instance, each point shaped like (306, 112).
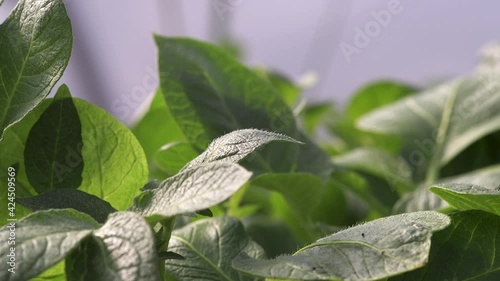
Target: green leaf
(301, 191)
(466, 250)
(194, 74)
(42, 240)
(54, 143)
(123, 249)
(12, 151)
(235, 146)
(441, 122)
(374, 95)
(35, 46)
(469, 197)
(192, 190)
(422, 199)
(209, 94)
(83, 202)
(395, 171)
(374, 250)
(172, 157)
(115, 166)
(209, 246)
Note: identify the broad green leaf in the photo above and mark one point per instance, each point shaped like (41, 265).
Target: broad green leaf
(209, 246)
(441, 122)
(157, 127)
(466, 250)
(469, 197)
(301, 191)
(235, 146)
(374, 95)
(422, 199)
(123, 249)
(395, 171)
(370, 251)
(52, 154)
(35, 46)
(209, 94)
(172, 157)
(115, 166)
(193, 74)
(83, 202)
(42, 240)
(192, 190)
(12, 152)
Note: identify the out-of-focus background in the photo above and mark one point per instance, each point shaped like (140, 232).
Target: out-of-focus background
(344, 44)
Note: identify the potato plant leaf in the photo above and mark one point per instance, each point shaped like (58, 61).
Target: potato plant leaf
(35, 46)
(194, 74)
(42, 240)
(469, 197)
(123, 249)
(374, 250)
(441, 122)
(83, 202)
(52, 153)
(192, 190)
(466, 250)
(116, 168)
(12, 151)
(209, 246)
(209, 93)
(235, 146)
(422, 199)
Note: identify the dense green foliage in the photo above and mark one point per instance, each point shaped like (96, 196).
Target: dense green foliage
(405, 187)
